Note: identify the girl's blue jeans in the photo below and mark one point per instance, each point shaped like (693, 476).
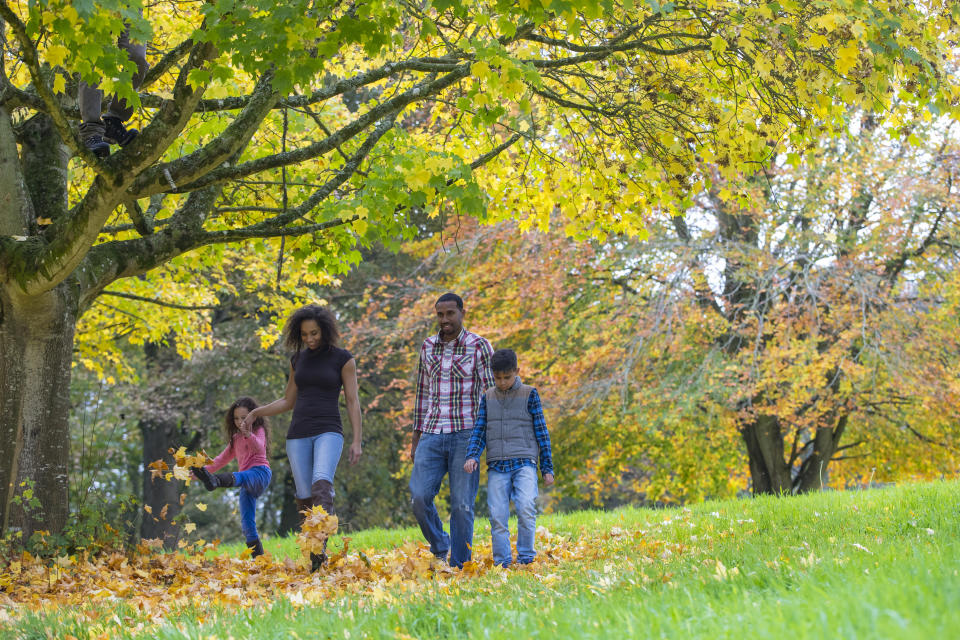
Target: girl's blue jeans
(252, 482)
(521, 487)
(314, 458)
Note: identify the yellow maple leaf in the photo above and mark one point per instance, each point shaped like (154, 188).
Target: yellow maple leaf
(847, 57)
(57, 54)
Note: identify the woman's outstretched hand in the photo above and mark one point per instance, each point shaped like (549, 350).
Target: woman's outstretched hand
(355, 451)
(246, 425)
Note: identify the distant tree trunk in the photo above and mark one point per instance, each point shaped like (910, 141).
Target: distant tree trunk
(162, 496)
(160, 431)
(769, 470)
(288, 511)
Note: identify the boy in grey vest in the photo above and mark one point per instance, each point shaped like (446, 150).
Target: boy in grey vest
(510, 424)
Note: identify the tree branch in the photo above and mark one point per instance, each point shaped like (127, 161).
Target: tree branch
(162, 303)
(385, 109)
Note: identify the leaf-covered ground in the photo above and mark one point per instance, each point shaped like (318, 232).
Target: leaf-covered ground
(872, 564)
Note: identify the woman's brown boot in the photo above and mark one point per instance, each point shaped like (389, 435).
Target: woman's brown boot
(322, 494)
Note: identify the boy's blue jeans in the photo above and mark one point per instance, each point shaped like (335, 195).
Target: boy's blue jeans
(521, 487)
(252, 482)
(437, 455)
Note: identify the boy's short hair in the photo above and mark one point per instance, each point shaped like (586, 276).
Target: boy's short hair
(503, 360)
(450, 297)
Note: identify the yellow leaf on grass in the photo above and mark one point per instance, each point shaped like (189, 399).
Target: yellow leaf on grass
(201, 506)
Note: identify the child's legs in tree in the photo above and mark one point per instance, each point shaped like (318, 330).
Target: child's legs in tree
(138, 54)
(525, 502)
(252, 483)
(498, 501)
(90, 98)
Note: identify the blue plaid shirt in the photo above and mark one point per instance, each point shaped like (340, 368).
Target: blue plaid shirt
(478, 439)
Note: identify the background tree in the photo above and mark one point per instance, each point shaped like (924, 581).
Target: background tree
(806, 316)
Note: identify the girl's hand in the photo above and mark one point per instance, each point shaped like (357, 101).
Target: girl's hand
(355, 451)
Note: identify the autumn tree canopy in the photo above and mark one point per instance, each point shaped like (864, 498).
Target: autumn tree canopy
(796, 328)
(336, 124)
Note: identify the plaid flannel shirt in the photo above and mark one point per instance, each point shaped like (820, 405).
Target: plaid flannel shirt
(450, 387)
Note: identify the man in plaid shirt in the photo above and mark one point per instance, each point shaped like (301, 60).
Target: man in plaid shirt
(453, 374)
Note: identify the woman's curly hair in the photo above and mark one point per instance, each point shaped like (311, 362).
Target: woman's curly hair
(324, 318)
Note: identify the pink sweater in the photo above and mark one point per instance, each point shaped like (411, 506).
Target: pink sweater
(250, 452)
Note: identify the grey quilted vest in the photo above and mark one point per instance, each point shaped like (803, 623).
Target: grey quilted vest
(510, 425)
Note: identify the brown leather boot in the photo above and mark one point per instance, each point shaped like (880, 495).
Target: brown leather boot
(321, 493)
(303, 504)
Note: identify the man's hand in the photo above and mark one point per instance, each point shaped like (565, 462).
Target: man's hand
(413, 445)
(548, 479)
(470, 465)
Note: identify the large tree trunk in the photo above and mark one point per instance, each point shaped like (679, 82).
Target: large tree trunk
(768, 468)
(36, 345)
(36, 335)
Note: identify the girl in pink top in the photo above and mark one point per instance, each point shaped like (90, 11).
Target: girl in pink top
(249, 446)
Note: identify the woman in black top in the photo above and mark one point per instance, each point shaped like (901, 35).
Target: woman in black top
(318, 370)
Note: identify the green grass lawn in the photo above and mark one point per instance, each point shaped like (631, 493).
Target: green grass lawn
(872, 564)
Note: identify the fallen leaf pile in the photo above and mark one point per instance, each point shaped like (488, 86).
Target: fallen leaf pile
(156, 584)
(317, 528)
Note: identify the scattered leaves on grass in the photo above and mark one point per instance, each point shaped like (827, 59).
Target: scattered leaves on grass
(157, 584)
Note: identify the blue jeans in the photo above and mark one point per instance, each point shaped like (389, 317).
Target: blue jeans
(439, 454)
(521, 487)
(314, 458)
(252, 482)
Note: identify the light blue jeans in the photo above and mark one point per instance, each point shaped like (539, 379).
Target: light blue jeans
(521, 487)
(252, 482)
(440, 454)
(314, 458)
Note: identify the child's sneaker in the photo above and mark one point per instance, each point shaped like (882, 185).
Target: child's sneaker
(256, 548)
(117, 132)
(97, 144)
(208, 479)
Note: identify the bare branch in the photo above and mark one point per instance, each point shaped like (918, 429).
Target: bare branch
(162, 303)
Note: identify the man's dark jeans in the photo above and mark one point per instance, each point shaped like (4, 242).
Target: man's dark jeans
(439, 454)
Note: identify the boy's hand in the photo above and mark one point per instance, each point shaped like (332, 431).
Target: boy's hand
(470, 465)
(548, 479)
